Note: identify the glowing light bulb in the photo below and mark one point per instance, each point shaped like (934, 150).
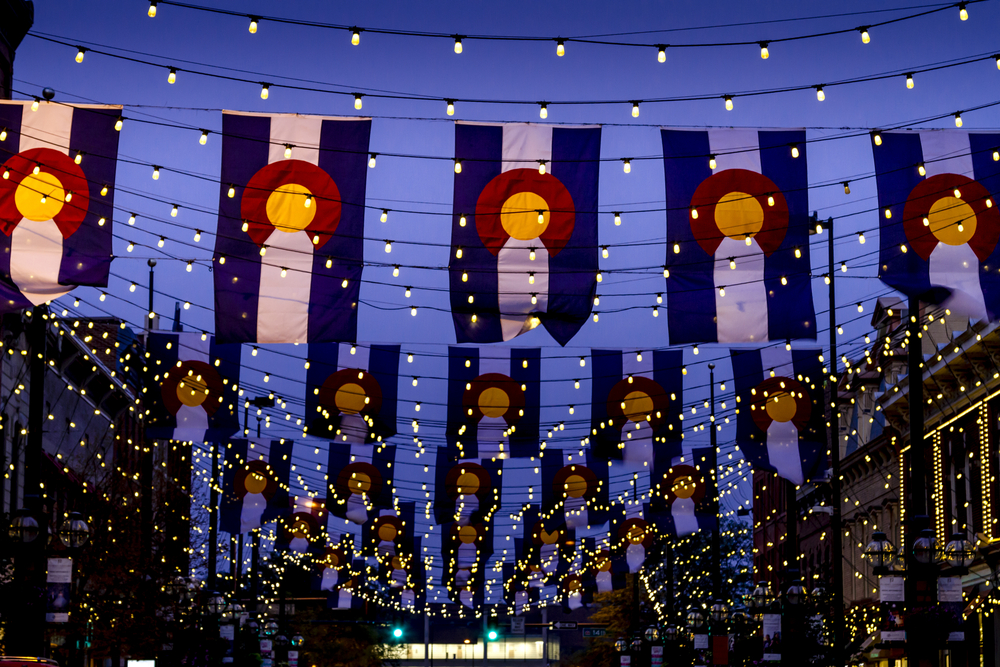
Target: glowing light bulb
(604, 252)
(329, 262)
(203, 139)
(888, 214)
(131, 219)
(355, 36)
(865, 37)
(151, 12)
(284, 272)
(694, 213)
(458, 166)
(385, 215)
(677, 248)
(78, 158)
(265, 89)
(79, 54)
(543, 109)
(921, 170)
(288, 151)
(173, 211)
(161, 242)
(458, 44)
(784, 280)
(130, 247)
(820, 95)
(963, 13)
(770, 200)
(308, 202)
(749, 240)
(531, 278)
(600, 276)
(388, 246)
(656, 311)
(764, 53)
(798, 253)
(232, 191)
(957, 193)
(909, 81)
(843, 267)
(413, 313)
(534, 299)
(407, 292)
(37, 168)
(131, 288)
(119, 123)
(877, 138)
(729, 102)
(712, 164)
(461, 220)
(560, 48)
(253, 25)
(34, 104)
(722, 291)
(618, 219)
(395, 271)
(69, 198)
(531, 254)
(627, 165)
(958, 119)
(172, 76)
(597, 300)
(732, 263)
(861, 238)
(635, 109)
(197, 235)
(661, 54)
(3, 134)
(189, 266)
(541, 217)
(541, 167)
(996, 154)
(156, 173)
(795, 150)
(450, 110)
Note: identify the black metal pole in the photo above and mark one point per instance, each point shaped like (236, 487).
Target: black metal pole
(32, 641)
(836, 532)
(213, 521)
(716, 534)
(146, 461)
(790, 651)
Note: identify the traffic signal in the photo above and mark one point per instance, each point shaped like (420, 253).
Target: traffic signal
(397, 632)
(492, 634)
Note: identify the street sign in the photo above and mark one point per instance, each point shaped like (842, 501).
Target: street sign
(626, 660)
(564, 625)
(594, 632)
(517, 625)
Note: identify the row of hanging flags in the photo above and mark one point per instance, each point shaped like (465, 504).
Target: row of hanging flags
(524, 243)
(548, 559)
(493, 401)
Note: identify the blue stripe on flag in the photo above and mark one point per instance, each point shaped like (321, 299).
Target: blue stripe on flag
(230, 506)
(896, 176)
(987, 173)
(606, 372)
(458, 377)
(480, 147)
(524, 440)
(573, 272)
(668, 372)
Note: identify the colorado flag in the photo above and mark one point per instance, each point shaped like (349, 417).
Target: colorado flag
(254, 484)
(493, 401)
(524, 242)
(288, 253)
(737, 236)
(191, 387)
(780, 422)
(56, 199)
(939, 223)
(684, 493)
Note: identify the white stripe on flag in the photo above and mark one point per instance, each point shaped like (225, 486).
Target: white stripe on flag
(782, 437)
(575, 509)
(735, 149)
(190, 347)
(524, 144)
(683, 512)
(954, 267)
(946, 152)
(192, 422)
(49, 127)
(514, 289)
(490, 431)
(301, 132)
(740, 315)
(283, 303)
(494, 360)
(36, 254)
(638, 442)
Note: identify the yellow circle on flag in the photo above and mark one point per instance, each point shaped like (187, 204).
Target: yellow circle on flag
(636, 534)
(350, 399)
(287, 210)
(781, 407)
(638, 404)
(30, 193)
(519, 216)
(549, 538)
(467, 534)
(739, 215)
(387, 532)
(684, 487)
(575, 486)
(255, 482)
(494, 402)
(192, 390)
(947, 215)
(468, 483)
(359, 483)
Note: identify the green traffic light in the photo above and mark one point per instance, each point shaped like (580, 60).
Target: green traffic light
(492, 635)
(397, 632)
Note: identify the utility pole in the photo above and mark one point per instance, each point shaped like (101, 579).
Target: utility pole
(716, 536)
(213, 521)
(836, 531)
(146, 463)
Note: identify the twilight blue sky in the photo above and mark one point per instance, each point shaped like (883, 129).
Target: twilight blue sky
(499, 69)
